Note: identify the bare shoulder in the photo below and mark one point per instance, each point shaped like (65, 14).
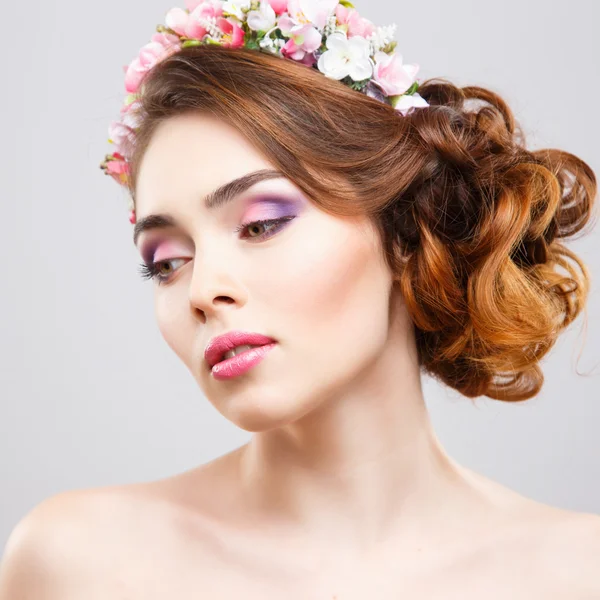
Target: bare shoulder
(65, 539)
(74, 514)
(87, 538)
(570, 551)
(581, 533)
(553, 547)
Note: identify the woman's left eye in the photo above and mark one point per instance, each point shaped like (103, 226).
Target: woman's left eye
(153, 270)
(264, 222)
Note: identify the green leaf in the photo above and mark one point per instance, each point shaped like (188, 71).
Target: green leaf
(390, 47)
(252, 43)
(395, 99)
(355, 85)
(190, 43)
(412, 89)
(346, 4)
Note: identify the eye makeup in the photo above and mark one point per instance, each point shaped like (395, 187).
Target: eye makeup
(165, 251)
(270, 208)
(265, 206)
(158, 248)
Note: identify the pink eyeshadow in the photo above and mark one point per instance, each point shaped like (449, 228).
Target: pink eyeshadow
(166, 251)
(266, 208)
(260, 208)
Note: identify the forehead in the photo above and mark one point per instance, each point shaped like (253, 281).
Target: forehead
(188, 157)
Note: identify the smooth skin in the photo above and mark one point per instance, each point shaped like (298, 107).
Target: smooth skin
(344, 491)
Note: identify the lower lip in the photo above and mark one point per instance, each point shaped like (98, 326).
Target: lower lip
(241, 363)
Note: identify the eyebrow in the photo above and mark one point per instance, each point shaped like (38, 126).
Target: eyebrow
(215, 199)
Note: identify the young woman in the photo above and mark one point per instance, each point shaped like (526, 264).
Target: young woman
(320, 233)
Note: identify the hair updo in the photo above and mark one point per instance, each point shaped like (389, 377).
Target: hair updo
(470, 220)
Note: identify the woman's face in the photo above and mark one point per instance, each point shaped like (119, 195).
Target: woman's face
(317, 284)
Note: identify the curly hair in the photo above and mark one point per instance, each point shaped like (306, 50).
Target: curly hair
(470, 220)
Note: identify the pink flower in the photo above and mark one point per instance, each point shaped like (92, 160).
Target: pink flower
(131, 104)
(309, 60)
(177, 20)
(233, 34)
(122, 136)
(168, 40)
(130, 117)
(194, 25)
(391, 75)
(161, 46)
(356, 25)
(119, 170)
(303, 27)
(315, 12)
(279, 6)
(303, 40)
(293, 51)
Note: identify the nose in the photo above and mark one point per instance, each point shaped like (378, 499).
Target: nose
(215, 286)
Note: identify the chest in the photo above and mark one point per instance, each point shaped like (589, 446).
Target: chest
(195, 560)
(190, 578)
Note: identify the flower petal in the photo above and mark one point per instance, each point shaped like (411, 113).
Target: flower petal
(360, 69)
(285, 24)
(176, 19)
(318, 11)
(333, 65)
(358, 48)
(337, 42)
(312, 39)
(406, 104)
(411, 70)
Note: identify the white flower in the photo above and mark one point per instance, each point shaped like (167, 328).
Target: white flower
(210, 24)
(346, 57)
(262, 19)
(406, 104)
(381, 37)
(268, 44)
(236, 8)
(272, 45)
(331, 26)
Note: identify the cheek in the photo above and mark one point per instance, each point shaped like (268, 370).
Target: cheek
(332, 294)
(170, 319)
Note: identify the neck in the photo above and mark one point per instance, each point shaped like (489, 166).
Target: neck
(361, 469)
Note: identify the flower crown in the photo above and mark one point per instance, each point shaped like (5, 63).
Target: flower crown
(328, 35)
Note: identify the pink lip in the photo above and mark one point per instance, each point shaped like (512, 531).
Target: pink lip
(221, 344)
(240, 363)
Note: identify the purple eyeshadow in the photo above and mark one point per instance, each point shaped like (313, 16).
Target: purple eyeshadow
(258, 208)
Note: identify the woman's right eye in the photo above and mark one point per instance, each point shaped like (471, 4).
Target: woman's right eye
(153, 270)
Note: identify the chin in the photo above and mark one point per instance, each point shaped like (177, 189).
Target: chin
(261, 412)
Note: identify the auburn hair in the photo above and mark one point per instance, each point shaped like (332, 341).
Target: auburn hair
(470, 220)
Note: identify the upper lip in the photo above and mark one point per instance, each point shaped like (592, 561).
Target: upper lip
(219, 345)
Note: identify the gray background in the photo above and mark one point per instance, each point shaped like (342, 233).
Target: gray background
(91, 395)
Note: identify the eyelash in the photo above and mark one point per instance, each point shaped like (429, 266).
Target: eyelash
(151, 271)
